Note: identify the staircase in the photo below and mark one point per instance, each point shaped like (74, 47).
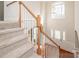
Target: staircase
(14, 42)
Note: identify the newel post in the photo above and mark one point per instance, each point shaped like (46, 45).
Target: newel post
(38, 38)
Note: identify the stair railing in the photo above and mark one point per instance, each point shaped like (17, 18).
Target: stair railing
(42, 51)
(38, 22)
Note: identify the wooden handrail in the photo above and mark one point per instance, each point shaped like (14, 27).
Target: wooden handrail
(11, 3)
(50, 38)
(28, 10)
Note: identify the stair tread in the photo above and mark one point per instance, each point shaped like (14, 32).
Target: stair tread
(8, 25)
(9, 30)
(10, 35)
(19, 51)
(11, 47)
(12, 40)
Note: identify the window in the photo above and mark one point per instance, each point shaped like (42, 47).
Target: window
(57, 10)
(57, 34)
(52, 33)
(64, 35)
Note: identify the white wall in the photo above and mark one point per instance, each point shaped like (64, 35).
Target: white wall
(35, 8)
(77, 18)
(65, 24)
(11, 13)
